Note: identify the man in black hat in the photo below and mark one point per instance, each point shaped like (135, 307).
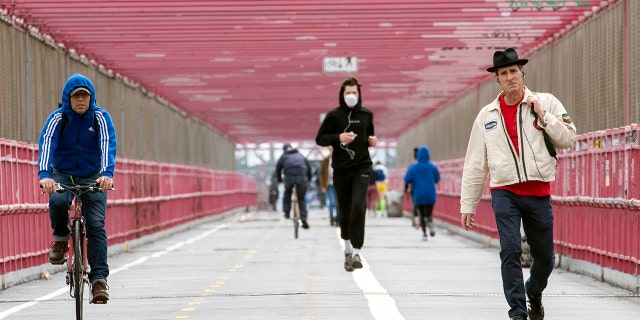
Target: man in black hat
(513, 139)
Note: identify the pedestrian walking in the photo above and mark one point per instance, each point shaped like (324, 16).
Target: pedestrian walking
(422, 177)
(513, 140)
(325, 178)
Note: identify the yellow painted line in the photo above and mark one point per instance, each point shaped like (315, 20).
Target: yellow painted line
(221, 282)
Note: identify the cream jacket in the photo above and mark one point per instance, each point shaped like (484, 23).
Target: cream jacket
(491, 152)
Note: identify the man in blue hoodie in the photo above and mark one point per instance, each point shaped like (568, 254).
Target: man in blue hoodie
(78, 147)
(423, 176)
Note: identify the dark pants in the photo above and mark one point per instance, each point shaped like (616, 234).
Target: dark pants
(301, 191)
(94, 207)
(537, 220)
(351, 189)
(426, 215)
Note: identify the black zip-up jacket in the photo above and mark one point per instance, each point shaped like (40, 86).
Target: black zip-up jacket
(344, 119)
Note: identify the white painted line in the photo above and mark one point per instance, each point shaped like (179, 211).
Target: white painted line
(381, 305)
(139, 261)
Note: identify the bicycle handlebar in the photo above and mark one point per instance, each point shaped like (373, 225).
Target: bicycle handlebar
(91, 188)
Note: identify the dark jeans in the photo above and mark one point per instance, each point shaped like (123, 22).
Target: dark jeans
(301, 191)
(332, 200)
(351, 189)
(426, 215)
(94, 208)
(537, 220)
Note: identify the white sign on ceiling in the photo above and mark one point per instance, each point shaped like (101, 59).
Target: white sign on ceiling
(340, 64)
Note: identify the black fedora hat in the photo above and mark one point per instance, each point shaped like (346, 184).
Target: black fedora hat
(506, 58)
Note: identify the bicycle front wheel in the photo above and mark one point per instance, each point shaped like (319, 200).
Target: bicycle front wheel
(78, 268)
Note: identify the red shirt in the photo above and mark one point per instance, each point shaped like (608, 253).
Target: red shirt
(527, 188)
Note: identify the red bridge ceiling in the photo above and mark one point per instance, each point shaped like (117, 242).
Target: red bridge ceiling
(254, 69)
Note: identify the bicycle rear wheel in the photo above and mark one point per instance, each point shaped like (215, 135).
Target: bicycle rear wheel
(78, 268)
(296, 213)
(296, 222)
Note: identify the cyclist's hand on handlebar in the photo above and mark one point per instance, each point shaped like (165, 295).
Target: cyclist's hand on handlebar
(48, 185)
(105, 183)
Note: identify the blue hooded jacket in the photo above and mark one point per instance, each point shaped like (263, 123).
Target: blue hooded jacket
(79, 150)
(423, 176)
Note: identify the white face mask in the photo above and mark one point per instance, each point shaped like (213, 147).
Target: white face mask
(351, 100)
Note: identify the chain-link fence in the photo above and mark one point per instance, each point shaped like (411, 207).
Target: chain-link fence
(593, 71)
(33, 71)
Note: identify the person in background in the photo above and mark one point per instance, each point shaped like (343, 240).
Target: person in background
(415, 219)
(325, 178)
(513, 140)
(78, 147)
(297, 171)
(423, 176)
(273, 191)
(349, 130)
(372, 194)
(382, 180)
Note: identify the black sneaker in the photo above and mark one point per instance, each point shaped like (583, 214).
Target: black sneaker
(355, 262)
(347, 262)
(286, 215)
(519, 317)
(536, 310)
(99, 294)
(58, 249)
(305, 225)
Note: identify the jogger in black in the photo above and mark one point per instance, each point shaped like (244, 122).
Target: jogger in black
(349, 130)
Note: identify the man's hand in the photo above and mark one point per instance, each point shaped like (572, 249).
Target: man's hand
(347, 137)
(105, 183)
(373, 141)
(48, 185)
(467, 220)
(537, 108)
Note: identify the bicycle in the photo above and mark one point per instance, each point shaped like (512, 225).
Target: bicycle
(78, 270)
(296, 210)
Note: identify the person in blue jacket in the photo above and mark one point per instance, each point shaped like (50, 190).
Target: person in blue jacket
(423, 176)
(78, 147)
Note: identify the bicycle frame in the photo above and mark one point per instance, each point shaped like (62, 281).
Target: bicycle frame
(77, 269)
(79, 264)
